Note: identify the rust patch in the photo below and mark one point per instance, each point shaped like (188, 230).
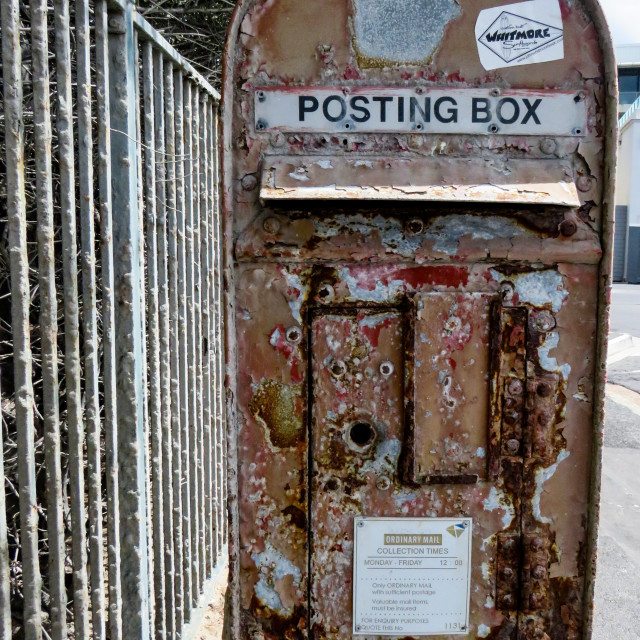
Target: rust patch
(297, 516)
(272, 626)
(279, 407)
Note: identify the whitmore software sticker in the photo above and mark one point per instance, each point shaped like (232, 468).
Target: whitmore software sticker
(522, 33)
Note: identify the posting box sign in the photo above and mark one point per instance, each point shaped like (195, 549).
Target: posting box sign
(411, 576)
(406, 110)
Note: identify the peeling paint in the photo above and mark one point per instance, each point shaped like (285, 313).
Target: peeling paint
(273, 566)
(542, 475)
(549, 363)
(498, 499)
(538, 288)
(483, 631)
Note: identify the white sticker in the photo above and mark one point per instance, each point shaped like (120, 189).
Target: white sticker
(522, 33)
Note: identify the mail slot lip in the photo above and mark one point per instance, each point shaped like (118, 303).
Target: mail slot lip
(421, 109)
(419, 179)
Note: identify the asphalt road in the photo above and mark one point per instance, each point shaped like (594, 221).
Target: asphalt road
(617, 591)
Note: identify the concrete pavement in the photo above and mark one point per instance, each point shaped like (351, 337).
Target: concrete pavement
(617, 597)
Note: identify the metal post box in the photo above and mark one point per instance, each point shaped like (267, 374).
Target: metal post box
(418, 215)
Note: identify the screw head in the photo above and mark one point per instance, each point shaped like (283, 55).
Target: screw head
(507, 600)
(338, 368)
(415, 226)
(326, 292)
(544, 389)
(383, 483)
(494, 128)
(386, 369)
(261, 125)
(293, 335)
(537, 543)
(507, 572)
(277, 139)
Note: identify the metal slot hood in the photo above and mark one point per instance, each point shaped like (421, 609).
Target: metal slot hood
(541, 182)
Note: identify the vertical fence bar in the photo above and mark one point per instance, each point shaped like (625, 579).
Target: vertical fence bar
(108, 319)
(180, 543)
(129, 337)
(183, 332)
(153, 336)
(90, 318)
(48, 320)
(73, 372)
(205, 269)
(5, 593)
(165, 350)
(20, 296)
(143, 330)
(199, 427)
(191, 345)
(212, 338)
(219, 352)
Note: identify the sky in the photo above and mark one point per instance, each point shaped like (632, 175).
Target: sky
(624, 19)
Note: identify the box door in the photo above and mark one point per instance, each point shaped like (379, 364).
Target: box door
(376, 452)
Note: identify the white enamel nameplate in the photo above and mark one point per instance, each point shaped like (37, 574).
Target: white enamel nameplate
(417, 110)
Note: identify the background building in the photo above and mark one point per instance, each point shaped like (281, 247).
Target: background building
(626, 254)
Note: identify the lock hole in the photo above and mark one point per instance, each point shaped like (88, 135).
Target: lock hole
(362, 434)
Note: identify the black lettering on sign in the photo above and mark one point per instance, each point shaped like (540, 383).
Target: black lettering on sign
(307, 104)
(481, 110)
(452, 113)
(414, 106)
(327, 104)
(500, 110)
(366, 114)
(400, 109)
(531, 111)
(383, 107)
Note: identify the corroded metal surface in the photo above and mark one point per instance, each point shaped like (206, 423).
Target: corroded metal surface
(465, 337)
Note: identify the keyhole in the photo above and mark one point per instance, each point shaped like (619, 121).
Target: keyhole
(362, 434)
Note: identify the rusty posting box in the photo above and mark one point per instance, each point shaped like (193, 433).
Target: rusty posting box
(418, 212)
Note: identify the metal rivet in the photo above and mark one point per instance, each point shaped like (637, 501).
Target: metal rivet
(577, 131)
(507, 291)
(249, 182)
(338, 368)
(545, 321)
(333, 484)
(513, 446)
(415, 226)
(386, 369)
(548, 146)
(507, 600)
(293, 335)
(539, 572)
(568, 228)
(383, 483)
(360, 524)
(261, 125)
(326, 292)
(507, 572)
(494, 93)
(580, 97)
(494, 128)
(544, 389)
(537, 543)
(419, 90)
(261, 96)
(515, 387)
(271, 225)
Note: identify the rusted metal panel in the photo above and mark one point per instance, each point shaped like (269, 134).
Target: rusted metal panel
(425, 180)
(451, 387)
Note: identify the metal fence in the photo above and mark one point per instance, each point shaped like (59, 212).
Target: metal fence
(113, 517)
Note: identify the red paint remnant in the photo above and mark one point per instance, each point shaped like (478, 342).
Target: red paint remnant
(373, 333)
(447, 276)
(405, 75)
(351, 73)
(453, 364)
(279, 342)
(565, 9)
(455, 77)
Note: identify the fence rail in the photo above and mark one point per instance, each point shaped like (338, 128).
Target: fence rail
(113, 449)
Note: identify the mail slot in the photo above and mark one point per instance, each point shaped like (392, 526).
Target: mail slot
(418, 218)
